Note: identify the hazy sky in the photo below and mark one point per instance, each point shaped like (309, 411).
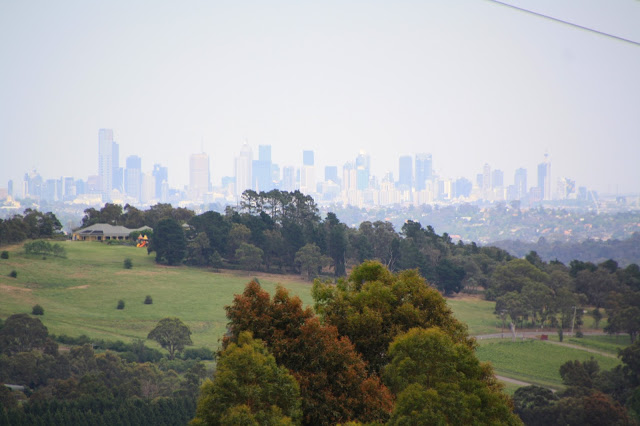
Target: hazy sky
(469, 81)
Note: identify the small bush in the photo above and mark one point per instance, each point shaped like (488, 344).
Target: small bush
(37, 310)
(128, 263)
(68, 340)
(148, 300)
(198, 353)
(579, 334)
(44, 248)
(120, 304)
(4, 254)
(13, 274)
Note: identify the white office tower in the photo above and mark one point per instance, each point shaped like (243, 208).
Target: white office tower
(199, 176)
(105, 162)
(243, 166)
(308, 173)
(147, 188)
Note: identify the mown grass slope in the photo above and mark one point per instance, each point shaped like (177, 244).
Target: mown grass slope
(535, 361)
(79, 294)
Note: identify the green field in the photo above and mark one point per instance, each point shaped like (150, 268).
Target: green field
(535, 361)
(477, 314)
(608, 344)
(79, 294)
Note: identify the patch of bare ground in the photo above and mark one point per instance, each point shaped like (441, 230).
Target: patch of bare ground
(77, 275)
(142, 273)
(279, 278)
(10, 288)
(461, 296)
(79, 287)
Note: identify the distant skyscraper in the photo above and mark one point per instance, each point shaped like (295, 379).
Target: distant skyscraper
(544, 178)
(105, 162)
(133, 176)
(10, 188)
(497, 179)
(363, 170)
(275, 174)
(49, 191)
(349, 181)
(69, 188)
(307, 158)
(243, 167)
(308, 173)
(462, 188)
(288, 178)
(199, 175)
(147, 188)
(33, 185)
(424, 170)
(261, 170)
(117, 172)
(405, 172)
(331, 174)
(161, 175)
(520, 182)
(486, 180)
(264, 153)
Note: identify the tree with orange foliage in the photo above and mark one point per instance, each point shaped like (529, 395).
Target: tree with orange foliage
(334, 384)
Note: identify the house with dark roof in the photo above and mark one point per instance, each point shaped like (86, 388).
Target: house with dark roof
(105, 232)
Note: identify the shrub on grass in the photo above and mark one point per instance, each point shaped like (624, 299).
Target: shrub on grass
(120, 304)
(37, 310)
(13, 274)
(148, 300)
(4, 254)
(198, 353)
(128, 263)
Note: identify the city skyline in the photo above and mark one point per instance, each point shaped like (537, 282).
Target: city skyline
(358, 185)
(469, 82)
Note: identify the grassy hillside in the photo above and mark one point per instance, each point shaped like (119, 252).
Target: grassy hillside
(535, 361)
(79, 294)
(477, 314)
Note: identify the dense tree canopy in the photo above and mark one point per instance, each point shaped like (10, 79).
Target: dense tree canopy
(172, 334)
(334, 383)
(168, 241)
(440, 381)
(21, 333)
(32, 224)
(373, 306)
(248, 388)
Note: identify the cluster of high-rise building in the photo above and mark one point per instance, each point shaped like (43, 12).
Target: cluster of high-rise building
(352, 183)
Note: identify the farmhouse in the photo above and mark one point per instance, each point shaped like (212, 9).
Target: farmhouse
(105, 232)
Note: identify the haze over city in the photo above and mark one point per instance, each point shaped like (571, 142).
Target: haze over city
(470, 82)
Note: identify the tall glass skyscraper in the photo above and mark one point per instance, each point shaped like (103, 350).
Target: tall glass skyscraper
(133, 176)
(405, 172)
(544, 178)
(105, 162)
(424, 170)
(520, 182)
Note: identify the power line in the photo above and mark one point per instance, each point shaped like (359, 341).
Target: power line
(541, 15)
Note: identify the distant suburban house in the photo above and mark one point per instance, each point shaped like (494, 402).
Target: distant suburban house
(105, 232)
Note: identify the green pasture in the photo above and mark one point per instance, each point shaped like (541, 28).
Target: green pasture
(535, 361)
(477, 314)
(79, 294)
(605, 343)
